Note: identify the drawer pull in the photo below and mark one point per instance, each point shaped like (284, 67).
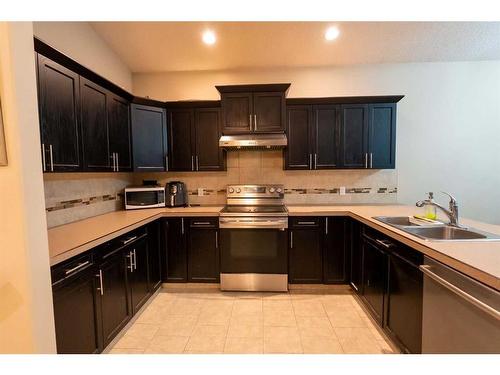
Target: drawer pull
(129, 240)
(306, 222)
(385, 243)
(202, 223)
(81, 265)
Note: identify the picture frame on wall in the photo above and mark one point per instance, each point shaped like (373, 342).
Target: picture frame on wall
(3, 147)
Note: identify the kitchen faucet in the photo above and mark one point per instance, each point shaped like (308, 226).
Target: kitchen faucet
(452, 213)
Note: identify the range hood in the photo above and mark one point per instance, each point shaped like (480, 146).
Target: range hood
(253, 141)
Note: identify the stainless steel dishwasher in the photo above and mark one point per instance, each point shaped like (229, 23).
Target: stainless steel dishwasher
(460, 315)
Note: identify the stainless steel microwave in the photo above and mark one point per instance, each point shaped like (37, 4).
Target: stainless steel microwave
(137, 197)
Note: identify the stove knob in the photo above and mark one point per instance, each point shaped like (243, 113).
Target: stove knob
(271, 190)
(238, 190)
(231, 190)
(278, 190)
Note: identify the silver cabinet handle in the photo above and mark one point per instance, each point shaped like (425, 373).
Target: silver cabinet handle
(117, 162)
(310, 161)
(182, 225)
(250, 117)
(371, 159)
(471, 299)
(112, 157)
(255, 121)
(197, 163)
(43, 158)
(354, 286)
(366, 160)
(166, 162)
(135, 260)
(216, 239)
(192, 162)
(51, 159)
(81, 265)
(315, 161)
(101, 283)
(124, 242)
(326, 225)
(131, 258)
(201, 223)
(385, 244)
(306, 222)
(291, 240)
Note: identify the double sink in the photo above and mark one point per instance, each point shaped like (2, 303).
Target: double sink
(436, 232)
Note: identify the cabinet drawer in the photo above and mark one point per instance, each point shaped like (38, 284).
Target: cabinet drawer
(305, 221)
(204, 222)
(70, 268)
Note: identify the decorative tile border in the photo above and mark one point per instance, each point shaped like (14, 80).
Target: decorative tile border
(84, 201)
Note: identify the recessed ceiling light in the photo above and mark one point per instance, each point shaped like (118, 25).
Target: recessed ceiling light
(209, 37)
(332, 33)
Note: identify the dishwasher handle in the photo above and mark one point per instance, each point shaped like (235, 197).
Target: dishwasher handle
(426, 269)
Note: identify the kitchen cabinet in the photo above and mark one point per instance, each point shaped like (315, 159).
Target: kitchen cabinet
(75, 307)
(149, 138)
(298, 153)
(154, 254)
(194, 140)
(119, 132)
(114, 293)
(335, 258)
(382, 136)
(175, 249)
(305, 256)
(356, 257)
(203, 250)
(354, 136)
(375, 274)
(405, 299)
(138, 273)
(253, 108)
(58, 102)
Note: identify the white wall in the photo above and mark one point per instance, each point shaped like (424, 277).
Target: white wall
(26, 316)
(448, 122)
(79, 41)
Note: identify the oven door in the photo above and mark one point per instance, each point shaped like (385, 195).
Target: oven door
(254, 245)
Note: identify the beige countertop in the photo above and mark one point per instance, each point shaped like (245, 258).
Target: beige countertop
(480, 260)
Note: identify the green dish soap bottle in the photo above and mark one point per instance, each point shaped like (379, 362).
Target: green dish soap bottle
(430, 210)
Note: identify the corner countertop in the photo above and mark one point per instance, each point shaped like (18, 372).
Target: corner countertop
(480, 260)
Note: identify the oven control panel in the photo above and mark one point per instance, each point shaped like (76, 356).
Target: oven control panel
(255, 191)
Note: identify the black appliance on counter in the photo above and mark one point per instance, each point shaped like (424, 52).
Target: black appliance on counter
(177, 195)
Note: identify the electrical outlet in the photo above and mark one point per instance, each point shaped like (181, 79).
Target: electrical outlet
(201, 191)
(342, 190)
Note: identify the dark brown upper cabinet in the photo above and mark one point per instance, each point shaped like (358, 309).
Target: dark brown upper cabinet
(58, 101)
(253, 108)
(194, 139)
(119, 132)
(313, 137)
(330, 133)
(149, 138)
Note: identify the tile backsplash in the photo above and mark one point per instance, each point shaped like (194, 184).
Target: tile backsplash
(75, 196)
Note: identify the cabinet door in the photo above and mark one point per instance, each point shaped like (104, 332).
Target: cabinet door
(305, 263)
(181, 140)
(356, 255)
(209, 156)
(149, 138)
(176, 262)
(298, 154)
(58, 101)
(154, 256)
(382, 136)
(75, 315)
(354, 136)
(119, 131)
(335, 257)
(269, 112)
(94, 119)
(115, 306)
(138, 273)
(237, 116)
(326, 137)
(203, 251)
(404, 307)
(374, 278)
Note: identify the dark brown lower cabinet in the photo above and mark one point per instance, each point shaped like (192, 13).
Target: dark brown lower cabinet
(114, 294)
(154, 254)
(75, 313)
(335, 259)
(305, 252)
(356, 256)
(138, 281)
(203, 250)
(175, 250)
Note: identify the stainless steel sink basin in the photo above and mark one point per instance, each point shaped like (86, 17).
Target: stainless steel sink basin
(437, 232)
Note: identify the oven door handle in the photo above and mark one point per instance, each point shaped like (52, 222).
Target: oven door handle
(253, 224)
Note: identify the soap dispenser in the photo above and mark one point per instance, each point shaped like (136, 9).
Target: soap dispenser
(430, 210)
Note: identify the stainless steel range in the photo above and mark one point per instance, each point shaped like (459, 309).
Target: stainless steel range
(253, 228)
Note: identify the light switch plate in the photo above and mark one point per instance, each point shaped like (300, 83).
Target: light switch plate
(201, 191)
(342, 190)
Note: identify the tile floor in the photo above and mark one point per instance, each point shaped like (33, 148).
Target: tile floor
(190, 320)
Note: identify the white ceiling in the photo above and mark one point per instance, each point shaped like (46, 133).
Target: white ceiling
(177, 46)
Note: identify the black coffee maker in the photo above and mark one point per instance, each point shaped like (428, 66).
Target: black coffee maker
(177, 195)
